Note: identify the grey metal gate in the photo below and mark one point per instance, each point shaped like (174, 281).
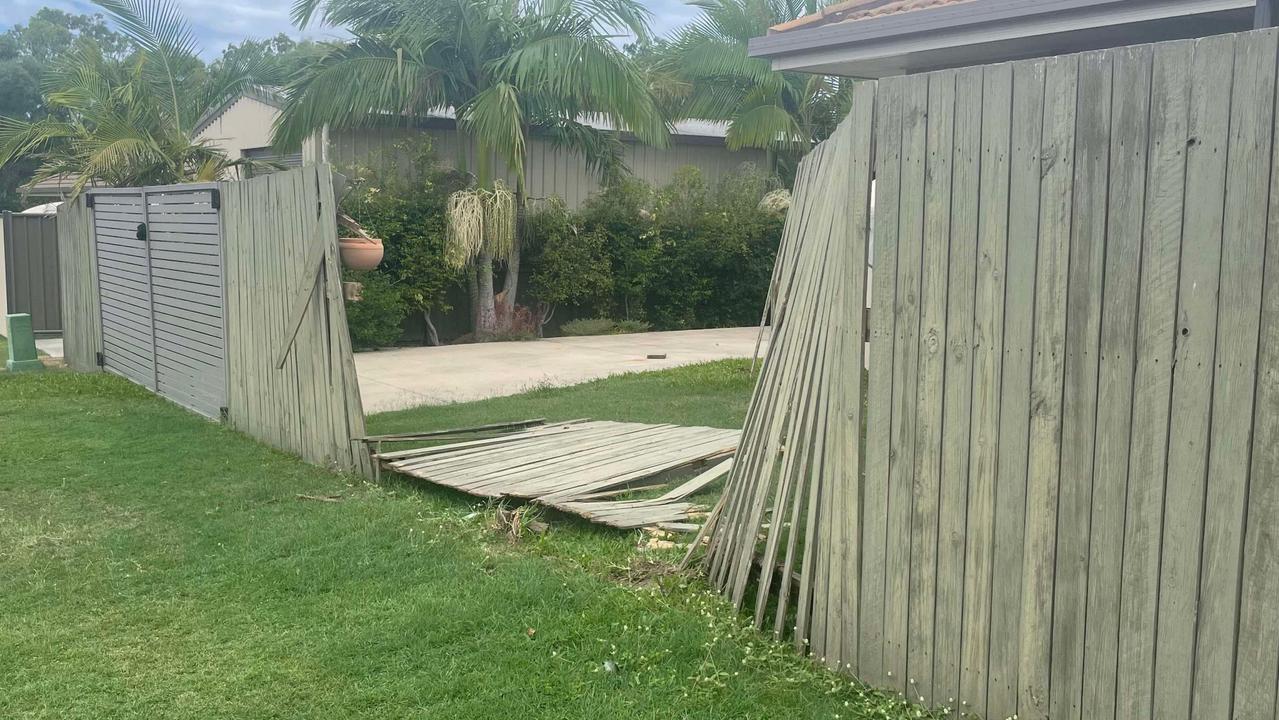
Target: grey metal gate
(159, 256)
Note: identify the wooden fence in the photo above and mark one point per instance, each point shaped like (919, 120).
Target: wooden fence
(264, 308)
(1068, 503)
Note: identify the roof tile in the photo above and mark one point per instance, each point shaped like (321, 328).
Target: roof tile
(853, 10)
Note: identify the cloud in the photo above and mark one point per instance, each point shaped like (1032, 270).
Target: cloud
(218, 23)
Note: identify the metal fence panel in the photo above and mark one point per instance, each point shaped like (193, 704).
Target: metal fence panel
(30, 267)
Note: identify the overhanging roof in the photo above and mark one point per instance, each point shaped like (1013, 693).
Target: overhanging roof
(876, 38)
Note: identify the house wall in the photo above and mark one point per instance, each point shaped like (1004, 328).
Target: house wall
(246, 124)
(551, 171)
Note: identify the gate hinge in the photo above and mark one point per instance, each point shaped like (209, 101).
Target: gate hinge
(89, 200)
(215, 198)
(101, 361)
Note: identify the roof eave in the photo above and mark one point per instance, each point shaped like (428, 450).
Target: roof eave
(964, 23)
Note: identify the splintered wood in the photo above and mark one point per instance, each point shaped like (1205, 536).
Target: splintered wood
(578, 467)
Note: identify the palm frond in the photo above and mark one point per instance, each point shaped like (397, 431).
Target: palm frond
(592, 74)
(157, 26)
(496, 120)
(765, 126)
(602, 150)
(358, 85)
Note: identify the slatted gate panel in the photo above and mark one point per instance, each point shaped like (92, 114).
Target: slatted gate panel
(160, 270)
(128, 341)
(186, 276)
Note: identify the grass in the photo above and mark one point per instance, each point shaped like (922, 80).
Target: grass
(158, 565)
(711, 394)
(4, 352)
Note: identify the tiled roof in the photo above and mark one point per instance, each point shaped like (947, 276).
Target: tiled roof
(852, 10)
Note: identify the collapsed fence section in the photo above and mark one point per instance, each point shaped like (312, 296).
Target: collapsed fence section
(1068, 503)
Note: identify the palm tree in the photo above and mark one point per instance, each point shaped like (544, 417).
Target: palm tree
(507, 68)
(782, 112)
(130, 122)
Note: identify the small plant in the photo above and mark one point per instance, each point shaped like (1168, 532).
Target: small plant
(588, 326)
(516, 523)
(625, 327)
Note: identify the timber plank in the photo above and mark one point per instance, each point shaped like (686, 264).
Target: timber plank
(1257, 657)
(1127, 176)
(930, 391)
(1043, 478)
(987, 350)
(905, 379)
(883, 299)
(1014, 418)
(1152, 383)
(1251, 128)
(1209, 125)
(957, 386)
(1079, 396)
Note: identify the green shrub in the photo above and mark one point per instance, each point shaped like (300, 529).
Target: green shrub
(375, 319)
(588, 326)
(570, 264)
(625, 327)
(603, 326)
(684, 255)
(403, 204)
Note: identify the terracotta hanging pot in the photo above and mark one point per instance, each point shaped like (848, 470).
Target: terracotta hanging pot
(359, 251)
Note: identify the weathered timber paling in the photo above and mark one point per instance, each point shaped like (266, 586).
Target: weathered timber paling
(1068, 502)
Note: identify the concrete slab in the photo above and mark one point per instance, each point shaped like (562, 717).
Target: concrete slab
(407, 377)
(50, 346)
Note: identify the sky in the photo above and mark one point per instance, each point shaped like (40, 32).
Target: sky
(218, 23)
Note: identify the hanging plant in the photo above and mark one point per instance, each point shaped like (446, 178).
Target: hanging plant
(480, 221)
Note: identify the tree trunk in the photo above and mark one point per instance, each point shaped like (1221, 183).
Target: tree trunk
(473, 293)
(511, 280)
(432, 337)
(486, 316)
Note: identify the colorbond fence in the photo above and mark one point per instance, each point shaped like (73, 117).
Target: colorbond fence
(29, 270)
(1068, 503)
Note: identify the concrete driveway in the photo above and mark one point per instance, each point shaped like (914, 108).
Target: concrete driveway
(396, 379)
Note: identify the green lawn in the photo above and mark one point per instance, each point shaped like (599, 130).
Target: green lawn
(153, 564)
(712, 394)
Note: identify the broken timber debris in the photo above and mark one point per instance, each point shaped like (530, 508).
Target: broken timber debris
(573, 466)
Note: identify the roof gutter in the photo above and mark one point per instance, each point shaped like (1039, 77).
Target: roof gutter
(994, 18)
